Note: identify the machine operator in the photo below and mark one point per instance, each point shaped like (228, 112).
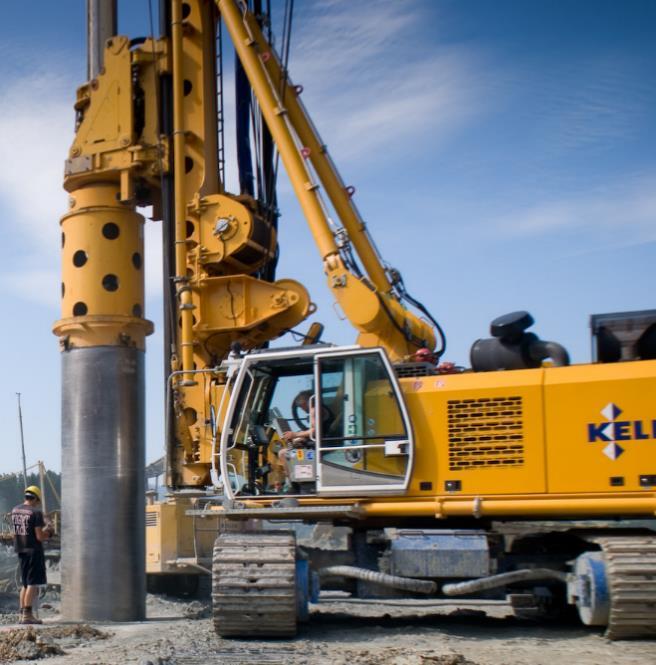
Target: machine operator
(302, 438)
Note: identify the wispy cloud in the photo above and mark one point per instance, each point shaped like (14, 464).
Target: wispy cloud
(33, 284)
(337, 36)
(623, 214)
(589, 103)
(371, 86)
(36, 129)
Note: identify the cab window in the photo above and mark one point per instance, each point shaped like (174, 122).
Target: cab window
(363, 439)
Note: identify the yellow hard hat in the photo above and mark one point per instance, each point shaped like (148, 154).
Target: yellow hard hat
(33, 489)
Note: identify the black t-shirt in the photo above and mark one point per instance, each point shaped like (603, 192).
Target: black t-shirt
(25, 520)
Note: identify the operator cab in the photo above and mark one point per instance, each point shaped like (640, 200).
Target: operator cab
(328, 421)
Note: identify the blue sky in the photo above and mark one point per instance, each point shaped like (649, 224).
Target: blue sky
(503, 155)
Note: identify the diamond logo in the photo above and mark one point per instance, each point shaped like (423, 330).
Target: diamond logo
(611, 411)
(613, 451)
(609, 431)
(614, 429)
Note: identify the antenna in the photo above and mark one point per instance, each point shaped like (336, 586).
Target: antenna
(20, 421)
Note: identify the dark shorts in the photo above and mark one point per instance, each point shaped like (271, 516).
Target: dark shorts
(33, 568)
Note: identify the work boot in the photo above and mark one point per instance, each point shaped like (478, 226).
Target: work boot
(28, 617)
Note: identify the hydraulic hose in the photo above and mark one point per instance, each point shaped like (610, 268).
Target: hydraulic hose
(393, 581)
(494, 581)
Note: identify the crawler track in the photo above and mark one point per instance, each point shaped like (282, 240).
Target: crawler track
(631, 570)
(254, 584)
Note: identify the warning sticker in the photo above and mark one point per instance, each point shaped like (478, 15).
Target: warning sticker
(303, 472)
(300, 454)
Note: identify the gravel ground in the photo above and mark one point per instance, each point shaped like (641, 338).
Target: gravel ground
(341, 632)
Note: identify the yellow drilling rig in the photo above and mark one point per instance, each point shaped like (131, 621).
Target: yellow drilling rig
(523, 477)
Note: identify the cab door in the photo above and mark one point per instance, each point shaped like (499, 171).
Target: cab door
(364, 441)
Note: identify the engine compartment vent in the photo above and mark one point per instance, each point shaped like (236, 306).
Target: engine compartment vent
(405, 370)
(485, 432)
(152, 518)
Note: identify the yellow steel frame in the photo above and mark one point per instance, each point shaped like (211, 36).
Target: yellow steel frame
(520, 505)
(102, 235)
(219, 301)
(369, 304)
(185, 344)
(558, 472)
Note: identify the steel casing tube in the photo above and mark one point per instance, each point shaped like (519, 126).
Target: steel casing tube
(103, 476)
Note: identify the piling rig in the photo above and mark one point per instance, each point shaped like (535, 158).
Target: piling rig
(523, 477)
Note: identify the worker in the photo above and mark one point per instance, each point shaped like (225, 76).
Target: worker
(302, 438)
(302, 401)
(425, 355)
(30, 532)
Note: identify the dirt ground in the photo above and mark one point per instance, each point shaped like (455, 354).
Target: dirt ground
(341, 632)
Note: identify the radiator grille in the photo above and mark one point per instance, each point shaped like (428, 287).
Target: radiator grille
(404, 370)
(151, 518)
(486, 432)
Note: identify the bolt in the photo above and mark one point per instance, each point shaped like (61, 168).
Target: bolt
(279, 301)
(221, 226)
